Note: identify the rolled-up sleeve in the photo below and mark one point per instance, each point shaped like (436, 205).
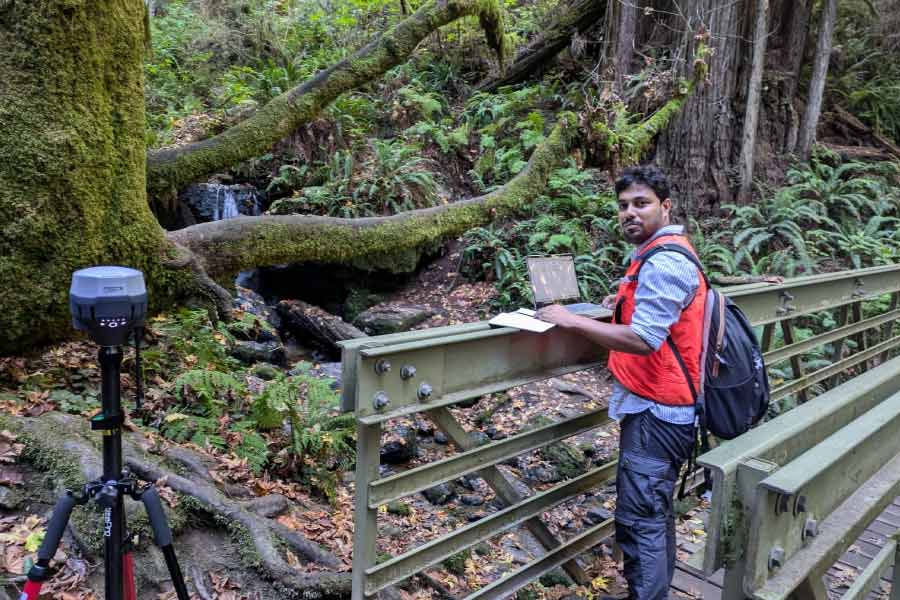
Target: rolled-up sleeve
(666, 285)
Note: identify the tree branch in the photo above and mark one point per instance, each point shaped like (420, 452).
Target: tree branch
(171, 169)
(226, 247)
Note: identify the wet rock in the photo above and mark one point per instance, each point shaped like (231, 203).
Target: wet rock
(401, 449)
(597, 515)
(479, 438)
(472, 499)
(568, 460)
(392, 532)
(391, 319)
(476, 516)
(251, 353)
(424, 427)
(10, 499)
(253, 304)
(440, 438)
(266, 372)
(572, 389)
(396, 452)
(399, 508)
(495, 434)
(439, 494)
(469, 482)
(542, 474)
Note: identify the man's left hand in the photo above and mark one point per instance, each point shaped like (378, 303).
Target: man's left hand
(557, 315)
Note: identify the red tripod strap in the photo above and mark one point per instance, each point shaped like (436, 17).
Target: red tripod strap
(31, 591)
(128, 568)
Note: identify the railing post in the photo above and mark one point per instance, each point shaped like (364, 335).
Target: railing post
(365, 535)
(749, 474)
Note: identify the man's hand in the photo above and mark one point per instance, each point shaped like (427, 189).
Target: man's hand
(609, 302)
(557, 315)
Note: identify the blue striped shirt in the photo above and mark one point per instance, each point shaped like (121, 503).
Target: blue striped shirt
(667, 284)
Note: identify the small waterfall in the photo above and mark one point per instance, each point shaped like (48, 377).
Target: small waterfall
(217, 201)
(229, 204)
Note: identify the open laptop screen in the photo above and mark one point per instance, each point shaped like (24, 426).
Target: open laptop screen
(553, 279)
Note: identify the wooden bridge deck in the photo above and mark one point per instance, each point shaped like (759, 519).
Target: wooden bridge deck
(688, 583)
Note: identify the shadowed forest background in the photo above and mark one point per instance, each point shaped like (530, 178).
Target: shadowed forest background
(291, 173)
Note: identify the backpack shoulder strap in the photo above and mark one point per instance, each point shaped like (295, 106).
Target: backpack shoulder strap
(672, 248)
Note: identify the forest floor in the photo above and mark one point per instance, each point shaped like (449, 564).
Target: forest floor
(214, 560)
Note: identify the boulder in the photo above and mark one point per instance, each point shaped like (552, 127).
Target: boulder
(251, 353)
(439, 494)
(391, 319)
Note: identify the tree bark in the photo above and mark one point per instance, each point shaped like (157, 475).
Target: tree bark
(700, 148)
(573, 18)
(754, 94)
(72, 157)
(817, 84)
(170, 170)
(625, 40)
(73, 160)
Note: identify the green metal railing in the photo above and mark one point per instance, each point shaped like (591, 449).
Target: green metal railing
(426, 371)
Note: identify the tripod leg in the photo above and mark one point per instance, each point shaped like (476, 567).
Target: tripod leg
(41, 569)
(128, 571)
(163, 537)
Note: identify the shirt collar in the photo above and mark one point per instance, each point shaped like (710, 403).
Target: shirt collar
(667, 230)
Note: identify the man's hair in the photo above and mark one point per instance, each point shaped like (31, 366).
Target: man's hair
(648, 175)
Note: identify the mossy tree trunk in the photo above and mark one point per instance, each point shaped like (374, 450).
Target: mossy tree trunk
(73, 162)
(72, 156)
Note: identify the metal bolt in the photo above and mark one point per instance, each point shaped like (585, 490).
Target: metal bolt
(424, 391)
(781, 503)
(382, 366)
(776, 558)
(380, 400)
(407, 372)
(810, 528)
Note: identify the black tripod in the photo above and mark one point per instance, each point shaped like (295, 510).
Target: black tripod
(109, 492)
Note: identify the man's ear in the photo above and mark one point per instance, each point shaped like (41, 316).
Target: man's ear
(667, 205)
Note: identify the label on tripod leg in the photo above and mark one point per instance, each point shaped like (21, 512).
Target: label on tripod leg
(107, 522)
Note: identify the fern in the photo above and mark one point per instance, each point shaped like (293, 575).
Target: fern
(213, 390)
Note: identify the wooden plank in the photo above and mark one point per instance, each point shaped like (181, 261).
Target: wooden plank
(688, 583)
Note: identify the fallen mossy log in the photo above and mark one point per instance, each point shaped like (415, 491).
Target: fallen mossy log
(227, 247)
(571, 19)
(66, 447)
(171, 169)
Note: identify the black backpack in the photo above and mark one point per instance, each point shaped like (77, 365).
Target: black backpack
(734, 387)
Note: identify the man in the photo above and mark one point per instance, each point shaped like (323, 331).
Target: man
(656, 327)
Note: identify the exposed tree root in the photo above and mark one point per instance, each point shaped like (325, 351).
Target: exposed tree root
(64, 444)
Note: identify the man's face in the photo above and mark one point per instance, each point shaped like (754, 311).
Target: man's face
(642, 212)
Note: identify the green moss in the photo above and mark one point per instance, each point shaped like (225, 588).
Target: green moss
(72, 158)
(456, 564)
(171, 169)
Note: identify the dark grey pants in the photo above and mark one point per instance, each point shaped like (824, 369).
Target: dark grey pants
(651, 453)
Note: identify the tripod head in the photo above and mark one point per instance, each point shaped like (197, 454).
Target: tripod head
(108, 303)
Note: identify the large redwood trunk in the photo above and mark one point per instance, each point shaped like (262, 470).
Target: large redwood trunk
(700, 148)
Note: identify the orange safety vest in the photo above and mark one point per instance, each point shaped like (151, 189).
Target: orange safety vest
(658, 376)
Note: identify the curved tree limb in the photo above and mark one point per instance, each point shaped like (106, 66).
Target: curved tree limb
(226, 247)
(168, 170)
(572, 18)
